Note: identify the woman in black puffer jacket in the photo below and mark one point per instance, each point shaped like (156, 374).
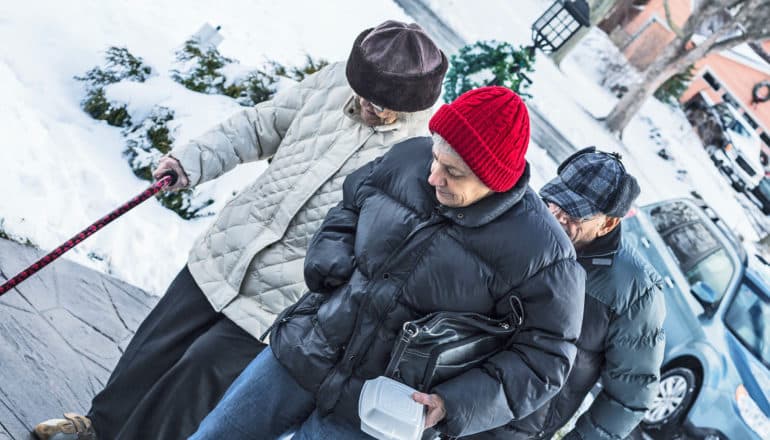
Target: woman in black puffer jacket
(442, 224)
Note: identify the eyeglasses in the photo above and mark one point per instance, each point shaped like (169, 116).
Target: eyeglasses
(377, 108)
(558, 212)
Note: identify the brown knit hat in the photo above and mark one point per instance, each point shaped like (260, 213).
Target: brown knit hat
(397, 66)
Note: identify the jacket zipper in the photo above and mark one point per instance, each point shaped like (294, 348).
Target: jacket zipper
(431, 221)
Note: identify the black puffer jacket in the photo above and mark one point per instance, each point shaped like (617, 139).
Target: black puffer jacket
(399, 256)
(621, 343)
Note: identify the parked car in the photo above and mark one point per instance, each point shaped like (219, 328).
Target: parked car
(733, 146)
(760, 195)
(715, 381)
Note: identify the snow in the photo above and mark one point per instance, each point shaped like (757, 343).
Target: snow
(571, 97)
(62, 170)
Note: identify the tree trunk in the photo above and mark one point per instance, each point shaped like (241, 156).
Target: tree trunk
(674, 59)
(655, 75)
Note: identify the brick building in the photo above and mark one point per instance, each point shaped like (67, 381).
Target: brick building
(640, 29)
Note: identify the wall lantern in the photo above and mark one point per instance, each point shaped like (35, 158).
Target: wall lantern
(560, 22)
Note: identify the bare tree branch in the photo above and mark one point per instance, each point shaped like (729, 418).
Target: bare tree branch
(728, 43)
(759, 50)
(670, 20)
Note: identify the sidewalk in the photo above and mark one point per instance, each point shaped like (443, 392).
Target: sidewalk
(61, 333)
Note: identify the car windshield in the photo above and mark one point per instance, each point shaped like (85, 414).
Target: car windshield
(737, 127)
(748, 317)
(764, 187)
(724, 114)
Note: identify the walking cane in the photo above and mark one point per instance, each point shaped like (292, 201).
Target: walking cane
(168, 179)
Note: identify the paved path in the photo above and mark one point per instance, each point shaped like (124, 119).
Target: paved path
(61, 332)
(543, 133)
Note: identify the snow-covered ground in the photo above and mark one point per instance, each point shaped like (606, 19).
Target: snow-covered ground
(60, 170)
(571, 98)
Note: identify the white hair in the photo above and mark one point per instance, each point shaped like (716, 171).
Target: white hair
(440, 145)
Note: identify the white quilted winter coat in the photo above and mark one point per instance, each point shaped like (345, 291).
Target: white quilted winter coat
(249, 262)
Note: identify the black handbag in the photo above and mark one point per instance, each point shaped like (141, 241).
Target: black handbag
(441, 345)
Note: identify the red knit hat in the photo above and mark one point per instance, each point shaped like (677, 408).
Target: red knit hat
(489, 128)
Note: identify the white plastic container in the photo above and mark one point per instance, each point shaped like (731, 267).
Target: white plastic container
(388, 412)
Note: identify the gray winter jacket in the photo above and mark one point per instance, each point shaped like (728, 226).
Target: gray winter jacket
(621, 343)
(249, 262)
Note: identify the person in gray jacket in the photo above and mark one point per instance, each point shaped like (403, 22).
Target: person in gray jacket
(622, 340)
(248, 266)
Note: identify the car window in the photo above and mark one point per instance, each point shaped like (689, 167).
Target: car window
(691, 243)
(700, 256)
(714, 270)
(748, 317)
(764, 187)
(724, 114)
(737, 127)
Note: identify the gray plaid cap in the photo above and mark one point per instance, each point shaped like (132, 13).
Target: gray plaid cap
(592, 182)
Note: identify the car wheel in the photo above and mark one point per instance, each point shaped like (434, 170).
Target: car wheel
(676, 392)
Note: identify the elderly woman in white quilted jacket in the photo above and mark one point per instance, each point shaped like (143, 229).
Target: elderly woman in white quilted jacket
(248, 266)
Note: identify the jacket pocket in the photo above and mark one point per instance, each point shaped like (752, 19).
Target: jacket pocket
(307, 304)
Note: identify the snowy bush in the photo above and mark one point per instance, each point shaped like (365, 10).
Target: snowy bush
(150, 134)
(146, 143)
(208, 71)
(96, 104)
(120, 65)
(200, 69)
(487, 63)
(300, 72)
(8, 236)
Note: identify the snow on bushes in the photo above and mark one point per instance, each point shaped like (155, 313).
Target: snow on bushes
(198, 68)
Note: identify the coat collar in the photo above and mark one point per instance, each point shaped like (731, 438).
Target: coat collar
(602, 251)
(489, 208)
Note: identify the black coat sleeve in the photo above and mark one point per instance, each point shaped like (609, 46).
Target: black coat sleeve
(516, 382)
(330, 259)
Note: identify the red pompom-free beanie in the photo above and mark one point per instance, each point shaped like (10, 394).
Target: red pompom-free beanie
(489, 128)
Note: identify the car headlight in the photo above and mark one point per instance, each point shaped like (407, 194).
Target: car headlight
(751, 413)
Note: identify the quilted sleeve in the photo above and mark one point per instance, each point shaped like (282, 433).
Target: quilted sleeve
(251, 134)
(630, 376)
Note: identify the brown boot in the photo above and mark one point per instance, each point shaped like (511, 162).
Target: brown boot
(71, 427)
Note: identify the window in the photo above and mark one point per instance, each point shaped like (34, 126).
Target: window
(752, 123)
(748, 317)
(691, 243)
(709, 78)
(745, 165)
(715, 270)
(737, 127)
(725, 115)
(765, 138)
(731, 100)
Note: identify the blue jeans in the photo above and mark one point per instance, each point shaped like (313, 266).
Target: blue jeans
(265, 402)
(317, 427)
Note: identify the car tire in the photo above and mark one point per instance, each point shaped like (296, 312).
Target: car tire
(677, 390)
